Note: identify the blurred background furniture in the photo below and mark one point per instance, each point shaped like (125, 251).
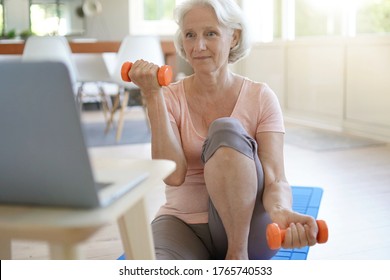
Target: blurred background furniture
(50, 48)
(65, 229)
(83, 56)
(94, 79)
(89, 46)
(85, 69)
(132, 49)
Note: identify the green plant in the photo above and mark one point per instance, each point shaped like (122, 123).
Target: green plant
(11, 34)
(26, 33)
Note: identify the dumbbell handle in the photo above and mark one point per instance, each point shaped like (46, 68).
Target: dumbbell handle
(275, 235)
(164, 74)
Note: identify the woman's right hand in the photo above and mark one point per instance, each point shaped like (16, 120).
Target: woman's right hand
(144, 75)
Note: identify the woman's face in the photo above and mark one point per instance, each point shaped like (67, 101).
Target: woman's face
(206, 43)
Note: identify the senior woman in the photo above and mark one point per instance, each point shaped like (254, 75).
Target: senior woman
(225, 133)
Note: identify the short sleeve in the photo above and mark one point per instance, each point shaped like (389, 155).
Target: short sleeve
(172, 103)
(270, 117)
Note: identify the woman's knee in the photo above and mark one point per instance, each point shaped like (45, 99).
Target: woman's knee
(226, 126)
(228, 133)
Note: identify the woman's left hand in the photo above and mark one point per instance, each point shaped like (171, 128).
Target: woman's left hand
(301, 230)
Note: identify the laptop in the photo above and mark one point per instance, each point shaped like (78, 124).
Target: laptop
(44, 159)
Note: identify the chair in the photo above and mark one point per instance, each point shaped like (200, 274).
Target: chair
(50, 48)
(93, 77)
(132, 48)
(88, 68)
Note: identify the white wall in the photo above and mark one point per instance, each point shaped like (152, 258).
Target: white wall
(335, 83)
(314, 79)
(368, 83)
(17, 15)
(266, 64)
(112, 24)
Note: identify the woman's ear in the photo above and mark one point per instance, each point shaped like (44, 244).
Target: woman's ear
(236, 38)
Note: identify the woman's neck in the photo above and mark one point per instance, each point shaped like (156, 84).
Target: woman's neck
(212, 85)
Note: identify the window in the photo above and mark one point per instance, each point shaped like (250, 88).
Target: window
(373, 17)
(264, 19)
(318, 18)
(2, 31)
(152, 17)
(158, 9)
(55, 17)
(45, 18)
(290, 19)
(277, 20)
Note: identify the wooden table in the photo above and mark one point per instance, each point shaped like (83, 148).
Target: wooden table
(16, 48)
(65, 229)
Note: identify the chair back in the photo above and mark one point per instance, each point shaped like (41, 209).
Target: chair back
(91, 67)
(134, 48)
(50, 48)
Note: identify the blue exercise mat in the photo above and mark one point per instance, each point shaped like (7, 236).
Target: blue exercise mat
(306, 200)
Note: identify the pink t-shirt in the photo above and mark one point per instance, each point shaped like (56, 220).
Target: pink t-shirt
(258, 110)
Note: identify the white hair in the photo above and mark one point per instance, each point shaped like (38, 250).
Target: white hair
(228, 15)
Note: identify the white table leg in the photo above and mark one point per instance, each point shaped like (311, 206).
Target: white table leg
(65, 252)
(5, 249)
(136, 233)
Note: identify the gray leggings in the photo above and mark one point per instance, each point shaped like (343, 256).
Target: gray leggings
(174, 239)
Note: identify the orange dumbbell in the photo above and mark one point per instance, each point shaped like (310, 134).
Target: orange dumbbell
(275, 235)
(164, 74)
